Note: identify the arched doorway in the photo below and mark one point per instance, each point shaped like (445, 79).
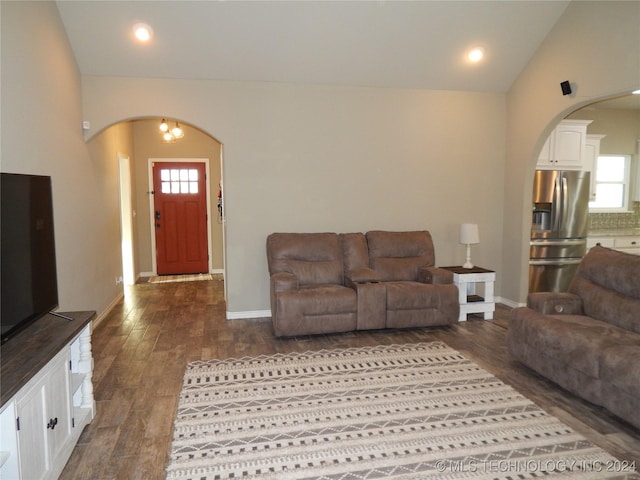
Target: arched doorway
(195, 144)
(139, 139)
(612, 128)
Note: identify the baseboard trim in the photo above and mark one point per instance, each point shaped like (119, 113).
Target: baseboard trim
(509, 303)
(102, 315)
(248, 314)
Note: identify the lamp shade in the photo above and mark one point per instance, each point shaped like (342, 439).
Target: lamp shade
(469, 233)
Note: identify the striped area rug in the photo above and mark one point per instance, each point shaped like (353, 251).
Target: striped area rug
(415, 411)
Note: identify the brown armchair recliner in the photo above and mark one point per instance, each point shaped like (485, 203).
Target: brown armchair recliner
(418, 294)
(308, 295)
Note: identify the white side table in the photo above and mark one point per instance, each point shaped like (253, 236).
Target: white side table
(466, 279)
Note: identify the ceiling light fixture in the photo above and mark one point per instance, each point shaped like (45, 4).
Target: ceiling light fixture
(142, 32)
(475, 54)
(168, 134)
(636, 92)
(177, 131)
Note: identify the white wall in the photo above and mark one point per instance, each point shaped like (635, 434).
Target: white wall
(313, 158)
(104, 149)
(621, 127)
(594, 45)
(42, 134)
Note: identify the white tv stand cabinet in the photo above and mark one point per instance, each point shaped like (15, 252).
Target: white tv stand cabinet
(47, 395)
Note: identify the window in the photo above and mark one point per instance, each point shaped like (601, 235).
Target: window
(611, 183)
(179, 180)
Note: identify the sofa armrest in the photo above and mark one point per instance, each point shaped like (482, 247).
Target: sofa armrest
(435, 275)
(553, 303)
(283, 282)
(361, 275)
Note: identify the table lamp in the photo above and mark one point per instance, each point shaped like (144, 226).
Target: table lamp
(469, 235)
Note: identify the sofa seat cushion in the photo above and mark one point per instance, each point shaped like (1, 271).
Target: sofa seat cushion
(411, 296)
(322, 299)
(619, 366)
(314, 310)
(620, 386)
(574, 340)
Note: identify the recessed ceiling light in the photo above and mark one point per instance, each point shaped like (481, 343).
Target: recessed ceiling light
(142, 32)
(475, 54)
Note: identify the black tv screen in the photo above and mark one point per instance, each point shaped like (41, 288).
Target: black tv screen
(29, 287)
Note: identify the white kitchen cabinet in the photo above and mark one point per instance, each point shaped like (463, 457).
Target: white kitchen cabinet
(42, 421)
(565, 147)
(545, 159)
(629, 244)
(636, 173)
(601, 241)
(624, 243)
(591, 153)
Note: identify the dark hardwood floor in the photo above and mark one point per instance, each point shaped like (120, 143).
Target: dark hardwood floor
(141, 348)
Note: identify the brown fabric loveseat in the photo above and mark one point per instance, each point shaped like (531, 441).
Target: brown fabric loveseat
(329, 282)
(588, 339)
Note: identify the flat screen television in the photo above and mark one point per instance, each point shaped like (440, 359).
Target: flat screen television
(29, 287)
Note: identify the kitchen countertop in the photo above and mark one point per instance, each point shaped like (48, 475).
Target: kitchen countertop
(614, 232)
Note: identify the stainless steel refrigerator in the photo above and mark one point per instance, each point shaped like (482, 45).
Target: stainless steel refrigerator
(558, 228)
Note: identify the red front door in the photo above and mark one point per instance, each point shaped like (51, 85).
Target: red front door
(180, 217)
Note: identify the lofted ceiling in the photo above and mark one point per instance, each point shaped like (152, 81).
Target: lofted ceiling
(379, 43)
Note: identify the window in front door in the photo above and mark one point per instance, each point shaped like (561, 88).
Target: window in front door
(179, 181)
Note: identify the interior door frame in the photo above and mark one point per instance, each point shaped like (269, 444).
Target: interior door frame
(152, 226)
(126, 219)
(224, 222)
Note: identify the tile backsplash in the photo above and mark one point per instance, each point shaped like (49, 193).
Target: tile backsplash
(603, 221)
